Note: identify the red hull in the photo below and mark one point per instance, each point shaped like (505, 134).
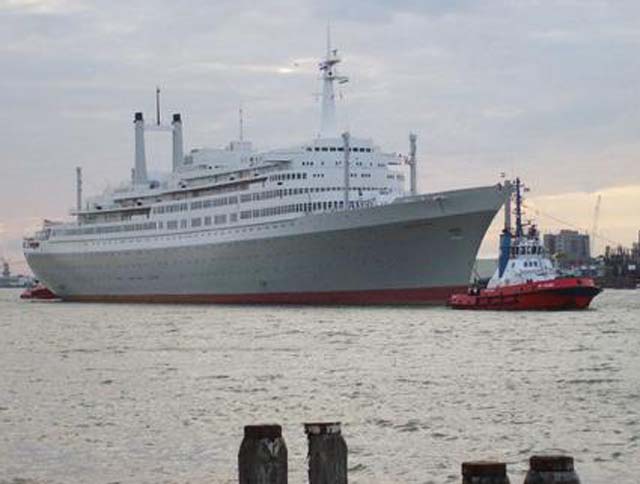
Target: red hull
(558, 294)
(417, 296)
(38, 292)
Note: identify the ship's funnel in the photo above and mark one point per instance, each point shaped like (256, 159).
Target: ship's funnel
(178, 149)
(140, 173)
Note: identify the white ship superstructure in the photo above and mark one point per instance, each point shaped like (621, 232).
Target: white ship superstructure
(326, 221)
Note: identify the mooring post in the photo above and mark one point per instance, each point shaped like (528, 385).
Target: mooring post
(327, 453)
(484, 472)
(262, 458)
(551, 469)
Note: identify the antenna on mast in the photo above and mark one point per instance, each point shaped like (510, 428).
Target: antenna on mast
(328, 126)
(241, 123)
(158, 105)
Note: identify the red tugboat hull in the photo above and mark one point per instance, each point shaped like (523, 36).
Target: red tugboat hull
(39, 292)
(552, 295)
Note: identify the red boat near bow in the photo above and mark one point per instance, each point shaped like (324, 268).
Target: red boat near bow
(38, 292)
(526, 278)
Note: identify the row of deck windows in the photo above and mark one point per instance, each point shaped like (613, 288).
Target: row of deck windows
(300, 208)
(216, 202)
(338, 148)
(180, 207)
(288, 176)
(291, 208)
(201, 204)
(526, 250)
(215, 220)
(106, 230)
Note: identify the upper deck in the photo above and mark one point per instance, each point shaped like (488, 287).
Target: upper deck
(238, 185)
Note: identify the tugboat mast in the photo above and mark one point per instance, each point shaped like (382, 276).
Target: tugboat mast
(519, 231)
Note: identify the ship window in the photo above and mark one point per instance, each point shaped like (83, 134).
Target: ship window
(172, 224)
(196, 222)
(340, 148)
(207, 220)
(332, 149)
(317, 149)
(324, 148)
(308, 148)
(183, 224)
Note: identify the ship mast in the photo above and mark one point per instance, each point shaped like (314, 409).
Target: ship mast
(328, 126)
(519, 231)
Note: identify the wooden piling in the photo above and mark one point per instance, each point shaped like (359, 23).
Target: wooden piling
(262, 458)
(327, 453)
(551, 469)
(484, 472)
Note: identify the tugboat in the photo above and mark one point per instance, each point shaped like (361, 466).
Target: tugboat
(526, 278)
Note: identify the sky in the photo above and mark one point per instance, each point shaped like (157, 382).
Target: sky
(544, 89)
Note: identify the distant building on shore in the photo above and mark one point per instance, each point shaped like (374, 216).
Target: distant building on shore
(569, 247)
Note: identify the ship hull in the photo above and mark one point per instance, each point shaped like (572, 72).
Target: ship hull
(416, 252)
(411, 296)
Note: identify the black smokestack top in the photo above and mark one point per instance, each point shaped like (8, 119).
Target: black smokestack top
(138, 117)
(176, 118)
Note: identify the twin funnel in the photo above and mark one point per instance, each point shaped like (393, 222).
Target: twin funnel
(140, 165)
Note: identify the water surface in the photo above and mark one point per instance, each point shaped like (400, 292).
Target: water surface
(159, 393)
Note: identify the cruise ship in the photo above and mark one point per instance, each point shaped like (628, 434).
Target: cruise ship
(334, 220)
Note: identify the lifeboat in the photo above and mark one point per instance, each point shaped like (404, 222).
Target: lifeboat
(526, 278)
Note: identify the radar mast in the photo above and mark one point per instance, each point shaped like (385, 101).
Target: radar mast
(328, 126)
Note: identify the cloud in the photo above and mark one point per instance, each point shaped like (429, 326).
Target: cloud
(40, 7)
(544, 90)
